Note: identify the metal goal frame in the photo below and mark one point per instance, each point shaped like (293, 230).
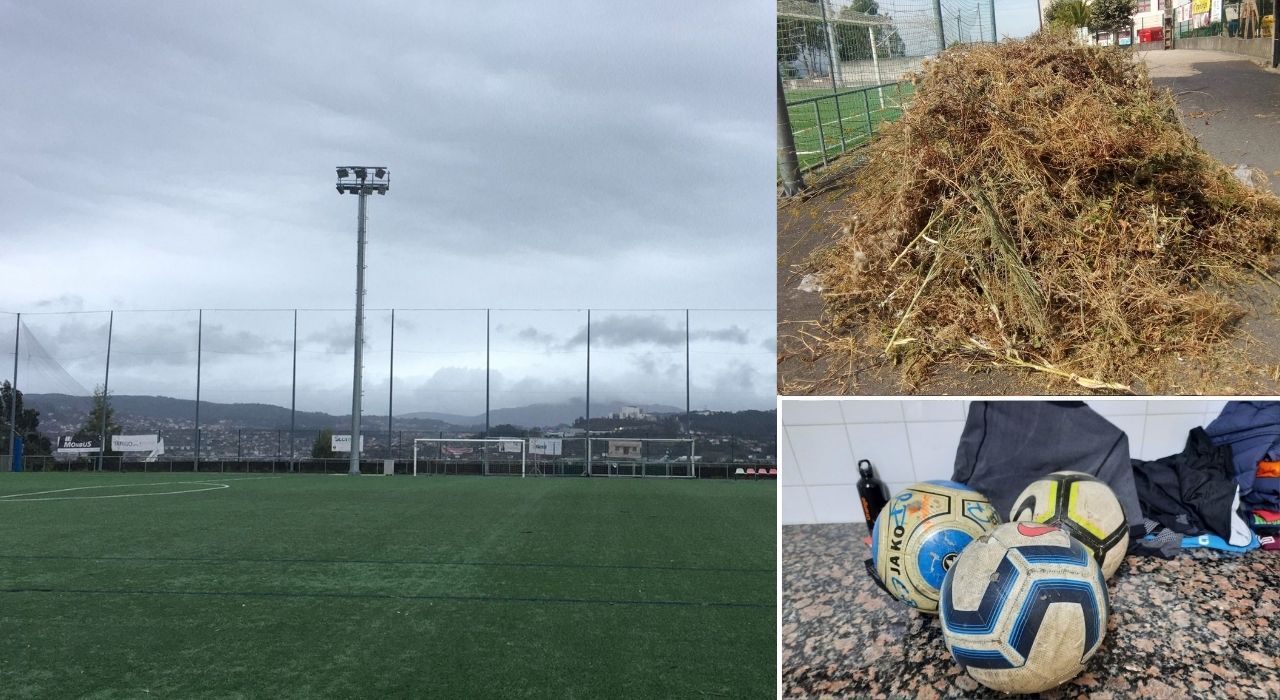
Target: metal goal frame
(524, 449)
(640, 462)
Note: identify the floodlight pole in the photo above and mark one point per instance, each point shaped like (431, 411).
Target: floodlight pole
(362, 181)
(391, 384)
(356, 386)
(588, 423)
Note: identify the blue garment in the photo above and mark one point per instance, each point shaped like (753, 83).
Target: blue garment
(1215, 542)
(1252, 429)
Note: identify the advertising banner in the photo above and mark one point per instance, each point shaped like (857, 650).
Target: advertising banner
(342, 443)
(510, 446)
(546, 446)
(135, 443)
(69, 445)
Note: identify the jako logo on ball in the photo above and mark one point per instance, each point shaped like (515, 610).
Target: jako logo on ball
(1024, 608)
(920, 533)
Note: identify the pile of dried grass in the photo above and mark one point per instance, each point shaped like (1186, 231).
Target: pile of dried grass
(1041, 203)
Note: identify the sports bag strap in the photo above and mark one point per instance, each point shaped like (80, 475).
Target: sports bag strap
(871, 571)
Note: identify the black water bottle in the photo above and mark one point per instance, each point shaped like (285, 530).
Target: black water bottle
(872, 492)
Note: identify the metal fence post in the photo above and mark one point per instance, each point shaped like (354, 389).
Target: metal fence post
(293, 392)
(822, 140)
(486, 372)
(199, 349)
(1275, 35)
(875, 62)
(106, 381)
(942, 35)
(788, 163)
(13, 396)
(688, 414)
(866, 104)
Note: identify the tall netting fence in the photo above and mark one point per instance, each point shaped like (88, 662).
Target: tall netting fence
(236, 390)
(842, 64)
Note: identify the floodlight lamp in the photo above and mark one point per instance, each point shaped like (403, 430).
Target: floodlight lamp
(362, 173)
(380, 173)
(343, 172)
(341, 189)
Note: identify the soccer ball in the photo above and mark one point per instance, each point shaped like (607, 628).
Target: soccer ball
(1024, 608)
(920, 533)
(1082, 505)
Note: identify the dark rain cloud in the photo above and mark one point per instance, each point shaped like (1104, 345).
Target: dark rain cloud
(576, 153)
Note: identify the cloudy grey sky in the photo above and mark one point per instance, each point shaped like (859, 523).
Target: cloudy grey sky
(179, 155)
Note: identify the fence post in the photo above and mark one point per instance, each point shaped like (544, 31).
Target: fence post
(788, 163)
(822, 139)
(199, 348)
(688, 414)
(1275, 35)
(486, 372)
(875, 62)
(13, 396)
(106, 380)
(293, 392)
(942, 35)
(866, 105)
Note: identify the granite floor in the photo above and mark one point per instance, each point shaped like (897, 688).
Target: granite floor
(1202, 625)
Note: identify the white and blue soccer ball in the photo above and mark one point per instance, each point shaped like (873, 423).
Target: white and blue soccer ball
(1024, 608)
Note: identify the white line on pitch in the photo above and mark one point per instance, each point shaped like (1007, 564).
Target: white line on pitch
(18, 497)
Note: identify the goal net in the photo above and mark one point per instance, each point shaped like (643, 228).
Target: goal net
(502, 456)
(642, 457)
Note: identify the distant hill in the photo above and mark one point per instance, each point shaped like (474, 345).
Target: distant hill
(62, 413)
(539, 415)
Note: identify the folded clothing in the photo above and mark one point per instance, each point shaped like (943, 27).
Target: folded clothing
(1252, 430)
(1265, 521)
(1193, 492)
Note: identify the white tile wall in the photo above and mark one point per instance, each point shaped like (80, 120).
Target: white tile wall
(911, 441)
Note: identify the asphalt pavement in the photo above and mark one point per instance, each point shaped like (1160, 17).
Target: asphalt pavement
(1230, 102)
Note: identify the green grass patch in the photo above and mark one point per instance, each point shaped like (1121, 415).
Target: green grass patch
(835, 124)
(306, 586)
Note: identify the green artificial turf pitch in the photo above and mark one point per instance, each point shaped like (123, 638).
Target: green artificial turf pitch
(306, 586)
(851, 118)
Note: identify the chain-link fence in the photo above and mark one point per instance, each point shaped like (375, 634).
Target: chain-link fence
(272, 387)
(714, 457)
(842, 63)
